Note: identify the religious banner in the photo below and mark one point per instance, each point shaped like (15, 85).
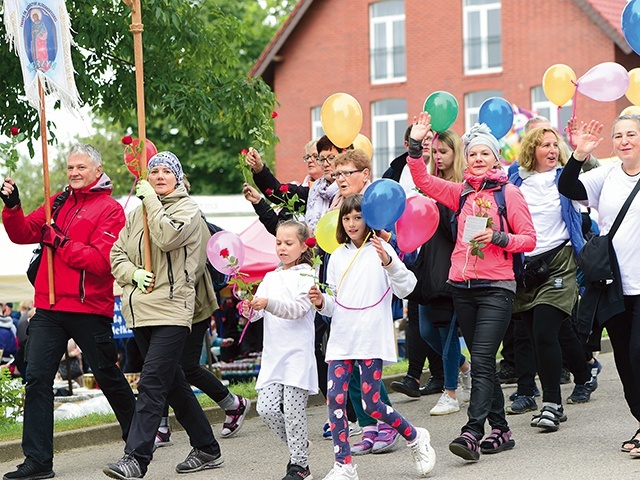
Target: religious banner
(39, 32)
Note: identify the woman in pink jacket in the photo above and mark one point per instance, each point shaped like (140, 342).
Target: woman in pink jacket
(481, 273)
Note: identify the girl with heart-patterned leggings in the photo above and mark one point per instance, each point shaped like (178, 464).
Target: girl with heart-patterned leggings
(358, 300)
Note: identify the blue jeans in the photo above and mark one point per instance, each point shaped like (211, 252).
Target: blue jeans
(483, 315)
(49, 331)
(444, 340)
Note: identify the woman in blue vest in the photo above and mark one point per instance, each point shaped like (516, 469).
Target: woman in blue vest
(548, 289)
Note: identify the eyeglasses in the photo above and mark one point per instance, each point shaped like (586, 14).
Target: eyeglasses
(308, 157)
(330, 158)
(346, 174)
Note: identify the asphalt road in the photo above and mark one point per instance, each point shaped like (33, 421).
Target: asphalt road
(587, 446)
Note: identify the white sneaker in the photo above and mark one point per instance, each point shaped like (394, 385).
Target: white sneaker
(445, 405)
(341, 472)
(354, 429)
(423, 455)
(464, 386)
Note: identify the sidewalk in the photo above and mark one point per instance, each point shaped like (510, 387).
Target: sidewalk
(586, 446)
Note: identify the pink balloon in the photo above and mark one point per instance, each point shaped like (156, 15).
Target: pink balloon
(605, 82)
(225, 251)
(418, 223)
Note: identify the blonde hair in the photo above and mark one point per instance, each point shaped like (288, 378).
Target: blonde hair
(531, 141)
(453, 141)
(303, 233)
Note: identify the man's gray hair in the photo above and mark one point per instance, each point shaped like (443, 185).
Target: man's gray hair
(86, 149)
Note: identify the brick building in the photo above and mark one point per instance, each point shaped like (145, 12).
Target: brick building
(391, 54)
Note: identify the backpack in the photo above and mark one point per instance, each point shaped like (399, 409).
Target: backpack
(219, 280)
(498, 195)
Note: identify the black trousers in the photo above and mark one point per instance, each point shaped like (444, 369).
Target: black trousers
(483, 316)
(49, 331)
(418, 350)
(162, 379)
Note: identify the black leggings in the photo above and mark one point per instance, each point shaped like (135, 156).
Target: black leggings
(550, 331)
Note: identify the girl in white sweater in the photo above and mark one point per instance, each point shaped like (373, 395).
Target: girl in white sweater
(362, 333)
(288, 373)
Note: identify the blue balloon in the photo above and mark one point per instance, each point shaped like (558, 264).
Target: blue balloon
(631, 24)
(383, 204)
(497, 114)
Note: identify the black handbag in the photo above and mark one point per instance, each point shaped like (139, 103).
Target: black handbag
(535, 270)
(598, 258)
(34, 263)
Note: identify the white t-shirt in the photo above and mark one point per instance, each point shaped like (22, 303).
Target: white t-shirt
(542, 196)
(406, 182)
(607, 189)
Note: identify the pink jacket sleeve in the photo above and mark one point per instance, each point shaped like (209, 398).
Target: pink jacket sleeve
(523, 238)
(442, 191)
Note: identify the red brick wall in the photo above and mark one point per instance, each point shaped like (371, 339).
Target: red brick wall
(329, 52)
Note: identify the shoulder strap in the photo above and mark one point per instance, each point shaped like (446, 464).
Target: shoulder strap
(60, 199)
(623, 211)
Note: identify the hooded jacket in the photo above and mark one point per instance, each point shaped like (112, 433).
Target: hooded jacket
(178, 254)
(91, 219)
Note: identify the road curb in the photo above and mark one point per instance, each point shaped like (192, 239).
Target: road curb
(111, 432)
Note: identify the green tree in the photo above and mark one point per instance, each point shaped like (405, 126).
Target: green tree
(200, 103)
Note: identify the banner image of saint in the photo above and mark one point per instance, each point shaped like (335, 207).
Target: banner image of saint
(40, 37)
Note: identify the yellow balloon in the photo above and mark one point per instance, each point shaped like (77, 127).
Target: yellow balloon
(326, 231)
(558, 84)
(631, 110)
(341, 118)
(364, 144)
(633, 92)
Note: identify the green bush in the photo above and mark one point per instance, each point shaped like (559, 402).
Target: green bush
(11, 396)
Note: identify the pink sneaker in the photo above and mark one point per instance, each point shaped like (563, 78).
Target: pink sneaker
(386, 440)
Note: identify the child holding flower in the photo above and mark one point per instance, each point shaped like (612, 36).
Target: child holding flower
(481, 272)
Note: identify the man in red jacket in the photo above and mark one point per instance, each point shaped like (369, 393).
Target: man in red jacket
(85, 224)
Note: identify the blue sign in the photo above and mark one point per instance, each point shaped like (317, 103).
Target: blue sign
(119, 326)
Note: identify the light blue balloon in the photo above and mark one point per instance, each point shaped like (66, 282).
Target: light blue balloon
(497, 114)
(631, 24)
(383, 204)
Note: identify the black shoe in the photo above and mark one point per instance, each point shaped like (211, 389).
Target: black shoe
(29, 472)
(565, 376)
(536, 393)
(507, 374)
(408, 385)
(582, 393)
(296, 472)
(198, 460)
(433, 385)
(126, 468)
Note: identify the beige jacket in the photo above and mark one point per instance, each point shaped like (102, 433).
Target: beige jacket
(178, 253)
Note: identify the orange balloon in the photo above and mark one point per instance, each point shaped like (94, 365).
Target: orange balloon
(633, 92)
(558, 84)
(341, 118)
(363, 144)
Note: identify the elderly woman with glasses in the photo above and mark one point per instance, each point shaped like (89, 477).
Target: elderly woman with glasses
(352, 174)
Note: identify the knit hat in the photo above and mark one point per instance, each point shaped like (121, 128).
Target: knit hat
(480, 134)
(169, 160)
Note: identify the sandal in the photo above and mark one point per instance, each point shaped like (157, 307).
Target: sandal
(236, 418)
(365, 445)
(466, 446)
(549, 418)
(497, 441)
(634, 441)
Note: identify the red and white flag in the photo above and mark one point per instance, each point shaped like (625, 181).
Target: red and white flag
(39, 32)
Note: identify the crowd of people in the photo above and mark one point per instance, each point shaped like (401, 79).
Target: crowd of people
(502, 261)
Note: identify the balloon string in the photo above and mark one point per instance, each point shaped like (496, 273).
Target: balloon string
(131, 192)
(250, 314)
(364, 308)
(434, 148)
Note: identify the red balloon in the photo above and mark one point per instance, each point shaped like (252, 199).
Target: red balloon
(132, 155)
(418, 223)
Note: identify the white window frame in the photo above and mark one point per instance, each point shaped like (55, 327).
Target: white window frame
(381, 163)
(483, 10)
(316, 124)
(389, 21)
(471, 112)
(549, 110)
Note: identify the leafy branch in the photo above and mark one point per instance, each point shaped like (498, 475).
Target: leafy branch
(476, 247)
(9, 150)
(290, 203)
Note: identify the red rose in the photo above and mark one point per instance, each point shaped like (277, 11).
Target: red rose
(14, 131)
(284, 188)
(127, 140)
(274, 114)
(224, 253)
(244, 151)
(310, 242)
(268, 191)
